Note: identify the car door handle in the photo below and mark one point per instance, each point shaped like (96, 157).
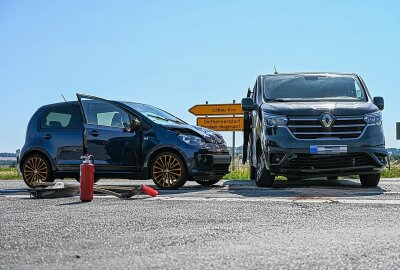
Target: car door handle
(94, 133)
(47, 137)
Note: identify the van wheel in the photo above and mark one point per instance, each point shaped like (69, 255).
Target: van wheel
(253, 173)
(370, 180)
(36, 169)
(207, 182)
(168, 171)
(263, 176)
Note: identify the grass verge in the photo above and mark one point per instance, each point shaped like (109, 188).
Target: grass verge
(8, 173)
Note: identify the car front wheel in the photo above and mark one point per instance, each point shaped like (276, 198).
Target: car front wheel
(168, 171)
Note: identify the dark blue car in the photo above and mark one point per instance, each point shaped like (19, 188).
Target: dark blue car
(127, 140)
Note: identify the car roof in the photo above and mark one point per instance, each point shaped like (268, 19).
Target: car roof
(61, 104)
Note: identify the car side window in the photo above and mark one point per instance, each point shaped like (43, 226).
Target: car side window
(105, 114)
(62, 117)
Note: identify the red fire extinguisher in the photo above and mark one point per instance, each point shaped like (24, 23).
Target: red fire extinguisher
(87, 178)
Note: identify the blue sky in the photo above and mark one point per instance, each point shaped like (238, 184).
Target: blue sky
(174, 54)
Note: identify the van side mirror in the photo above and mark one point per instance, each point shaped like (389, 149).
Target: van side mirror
(379, 102)
(247, 104)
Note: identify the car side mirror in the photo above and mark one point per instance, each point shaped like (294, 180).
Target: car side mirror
(135, 124)
(247, 104)
(379, 102)
(398, 130)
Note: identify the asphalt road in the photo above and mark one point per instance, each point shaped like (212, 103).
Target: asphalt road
(233, 225)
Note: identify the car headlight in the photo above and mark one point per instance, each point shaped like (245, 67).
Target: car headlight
(191, 139)
(273, 119)
(374, 119)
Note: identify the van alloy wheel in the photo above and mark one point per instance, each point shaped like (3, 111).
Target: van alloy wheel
(168, 171)
(36, 170)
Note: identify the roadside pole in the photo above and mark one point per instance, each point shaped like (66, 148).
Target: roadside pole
(233, 146)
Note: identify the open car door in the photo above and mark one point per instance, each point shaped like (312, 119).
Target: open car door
(108, 135)
(246, 131)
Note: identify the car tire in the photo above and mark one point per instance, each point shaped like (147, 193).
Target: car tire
(36, 169)
(207, 182)
(332, 178)
(168, 171)
(263, 176)
(253, 173)
(370, 180)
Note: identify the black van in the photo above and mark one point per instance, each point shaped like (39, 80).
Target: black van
(304, 125)
(127, 140)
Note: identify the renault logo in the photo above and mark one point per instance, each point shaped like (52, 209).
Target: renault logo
(327, 120)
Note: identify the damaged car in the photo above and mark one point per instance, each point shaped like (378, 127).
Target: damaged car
(126, 139)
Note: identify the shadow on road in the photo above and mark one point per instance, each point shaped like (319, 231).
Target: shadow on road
(305, 188)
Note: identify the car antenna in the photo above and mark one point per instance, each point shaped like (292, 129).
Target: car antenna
(276, 72)
(63, 97)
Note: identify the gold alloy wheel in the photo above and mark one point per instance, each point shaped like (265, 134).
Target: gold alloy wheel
(167, 170)
(35, 170)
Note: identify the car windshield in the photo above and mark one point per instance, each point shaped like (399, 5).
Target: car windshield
(155, 114)
(313, 88)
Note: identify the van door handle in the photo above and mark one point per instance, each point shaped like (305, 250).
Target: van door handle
(94, 133)
(47, 136)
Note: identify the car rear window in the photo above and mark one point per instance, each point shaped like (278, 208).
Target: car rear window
(62, 117)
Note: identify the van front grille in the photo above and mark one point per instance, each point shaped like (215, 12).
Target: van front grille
(343, 127)
(320, 162)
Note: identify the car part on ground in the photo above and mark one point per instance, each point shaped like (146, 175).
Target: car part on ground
(61, 190)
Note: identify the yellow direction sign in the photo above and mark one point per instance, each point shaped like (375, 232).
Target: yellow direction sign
(221, 123)
(217, 109)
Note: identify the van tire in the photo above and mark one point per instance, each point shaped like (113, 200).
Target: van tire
(263, 176)
(253, 173)
(370, 180)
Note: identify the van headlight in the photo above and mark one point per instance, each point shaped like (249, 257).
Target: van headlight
(373, 119)
(273, 119)
(191, 139)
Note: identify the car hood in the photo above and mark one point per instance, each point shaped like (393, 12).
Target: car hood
(316, 108)
(208, 135)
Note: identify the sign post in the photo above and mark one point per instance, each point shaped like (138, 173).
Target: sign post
(233, 147)
(229, 121)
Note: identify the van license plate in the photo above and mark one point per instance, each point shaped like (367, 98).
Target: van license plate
(328, 149)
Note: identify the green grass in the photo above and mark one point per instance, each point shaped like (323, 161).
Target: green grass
(8, 173)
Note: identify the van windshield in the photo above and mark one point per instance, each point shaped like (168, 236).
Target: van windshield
(155, 114)
(291, 87)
